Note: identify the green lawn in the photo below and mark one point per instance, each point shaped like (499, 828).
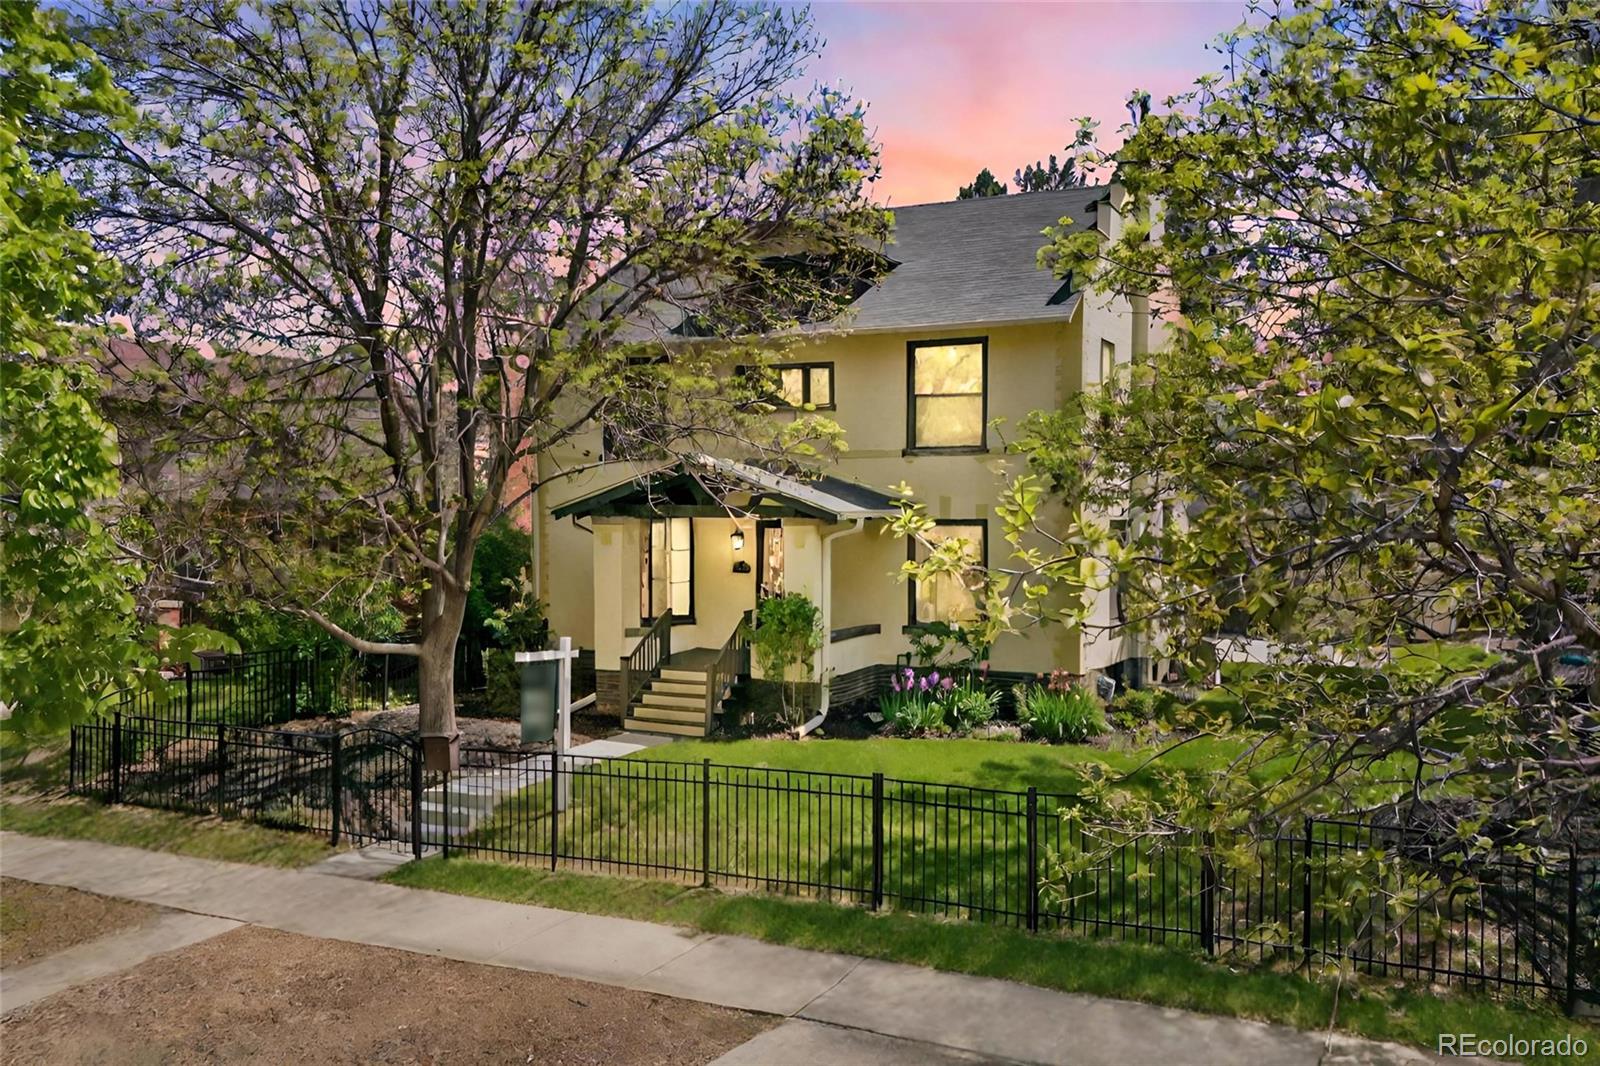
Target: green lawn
(180, 834)
(1165, 976)
(1245, 696)
(1008, 766)
(799, 817)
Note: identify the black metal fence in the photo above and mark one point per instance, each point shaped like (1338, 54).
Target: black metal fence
(1312, 896)
(264, 688)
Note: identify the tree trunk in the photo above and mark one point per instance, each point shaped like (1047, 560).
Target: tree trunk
(436, 674)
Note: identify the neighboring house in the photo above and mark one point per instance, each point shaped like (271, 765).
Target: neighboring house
(962, 330)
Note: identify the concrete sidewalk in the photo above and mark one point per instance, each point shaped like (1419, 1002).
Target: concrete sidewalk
(843, 1009)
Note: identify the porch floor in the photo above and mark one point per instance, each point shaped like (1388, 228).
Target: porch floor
(693, 658)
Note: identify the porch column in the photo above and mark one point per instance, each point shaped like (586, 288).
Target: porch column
(616, 604)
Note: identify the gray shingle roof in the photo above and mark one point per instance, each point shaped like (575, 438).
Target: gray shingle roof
(699, 485)
(971, 262)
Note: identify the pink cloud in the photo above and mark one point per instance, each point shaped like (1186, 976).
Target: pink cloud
(952, 88)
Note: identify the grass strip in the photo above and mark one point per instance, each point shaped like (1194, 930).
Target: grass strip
(179, 834)
(1164, 976)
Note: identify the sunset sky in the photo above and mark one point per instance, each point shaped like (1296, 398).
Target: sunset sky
(954, 87)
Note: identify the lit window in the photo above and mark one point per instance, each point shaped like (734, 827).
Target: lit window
(666, 570)
(948, 597)
(947, 394)
(769, 546)
(802, 384)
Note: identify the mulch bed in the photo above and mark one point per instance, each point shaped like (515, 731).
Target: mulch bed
(40, 920)
(501, 734)
(258, 995)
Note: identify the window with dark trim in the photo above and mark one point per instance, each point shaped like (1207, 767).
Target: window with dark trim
(1119, 530)
(769, 555)
(947, 395)
(800, 385)
(666, 570)
(948, 597)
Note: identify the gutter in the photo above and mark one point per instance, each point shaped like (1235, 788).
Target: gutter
(827, 620)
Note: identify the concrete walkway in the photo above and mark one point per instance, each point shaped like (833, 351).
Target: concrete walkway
(454, 807)
(843, 1009)
(106, 955)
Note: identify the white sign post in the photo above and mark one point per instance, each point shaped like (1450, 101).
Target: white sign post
(564, 653)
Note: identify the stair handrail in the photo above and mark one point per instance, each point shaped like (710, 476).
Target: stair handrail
(641, 664)
(730, 662)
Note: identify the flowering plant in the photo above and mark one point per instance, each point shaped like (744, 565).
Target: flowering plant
(935, 703)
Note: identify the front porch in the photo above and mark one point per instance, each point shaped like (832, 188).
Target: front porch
(681, 558)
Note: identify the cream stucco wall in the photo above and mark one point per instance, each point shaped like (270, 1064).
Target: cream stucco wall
(1029, 367)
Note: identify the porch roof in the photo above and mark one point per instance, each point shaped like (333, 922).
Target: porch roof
(702, 486)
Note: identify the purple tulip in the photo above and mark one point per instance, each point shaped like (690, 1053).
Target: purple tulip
(948, 683)
(925, 684)
(894, 682)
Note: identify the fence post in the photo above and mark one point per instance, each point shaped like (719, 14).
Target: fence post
(336, 787)
(386, 681)
(72, 760)
(188, 702)
(222, 770)
(294, 681)
(1572, 931)
(877, 841)
(555, 803)
(1305, 902)
(705, 823)
(1208, 887)
(1033, 859)
(116, 757)
(416, 801)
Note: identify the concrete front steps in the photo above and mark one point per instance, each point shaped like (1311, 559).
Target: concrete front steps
(674, 703)
(454, 808)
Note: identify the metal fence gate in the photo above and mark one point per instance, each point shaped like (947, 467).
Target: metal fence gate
(376, 787)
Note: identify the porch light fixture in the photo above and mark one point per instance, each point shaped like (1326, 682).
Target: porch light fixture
(737, 540)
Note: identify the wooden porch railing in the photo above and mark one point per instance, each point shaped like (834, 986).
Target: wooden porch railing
(641, 664)
(732, 661)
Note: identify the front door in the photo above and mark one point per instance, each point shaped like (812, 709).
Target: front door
(769, 560)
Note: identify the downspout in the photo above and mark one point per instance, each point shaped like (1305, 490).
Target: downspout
(827, 620)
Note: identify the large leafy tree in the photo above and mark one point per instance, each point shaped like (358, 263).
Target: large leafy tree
(68, 627)
(392, 253)
(1371, 438)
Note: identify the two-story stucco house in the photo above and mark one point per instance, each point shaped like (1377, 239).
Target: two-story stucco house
(637, 562)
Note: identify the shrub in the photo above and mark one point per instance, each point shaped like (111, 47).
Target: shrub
(967, 705)
(1134, 707)
(787, 635)
(1060, 716)
(520, 623)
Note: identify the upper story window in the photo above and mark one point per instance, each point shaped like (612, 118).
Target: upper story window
(799, 385)
(948, 403)
(1108, 361)
(803, 384)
